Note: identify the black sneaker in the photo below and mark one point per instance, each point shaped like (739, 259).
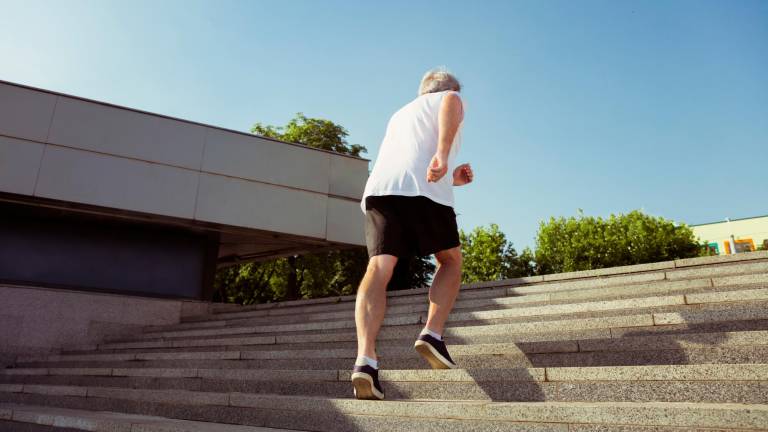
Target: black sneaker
(434, 352)
(365, 380)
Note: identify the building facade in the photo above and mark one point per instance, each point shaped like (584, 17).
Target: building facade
(112, 219)
(734, 236)
(95, 196)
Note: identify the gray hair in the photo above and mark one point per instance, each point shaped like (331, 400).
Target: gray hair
(437, 80)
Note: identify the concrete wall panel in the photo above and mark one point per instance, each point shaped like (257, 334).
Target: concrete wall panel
(346, 222)
(348, 176)
(37, 320)
(257, 205)
(122, 132)
(25, 113)
(19, 164)
(66, 148)
(92, 178)
(254, 158)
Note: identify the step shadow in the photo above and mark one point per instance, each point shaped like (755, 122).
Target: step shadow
(681, 345)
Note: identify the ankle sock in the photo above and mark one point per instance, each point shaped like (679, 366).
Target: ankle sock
(364, 360)
(431, 333)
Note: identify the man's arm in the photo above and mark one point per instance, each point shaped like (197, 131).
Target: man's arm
(449, 119)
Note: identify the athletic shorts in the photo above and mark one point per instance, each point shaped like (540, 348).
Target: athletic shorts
(408, 226)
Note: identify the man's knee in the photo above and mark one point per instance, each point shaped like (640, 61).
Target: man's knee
(381, 266)
(449, 257)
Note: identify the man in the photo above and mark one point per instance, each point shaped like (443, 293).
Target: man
(408, 203)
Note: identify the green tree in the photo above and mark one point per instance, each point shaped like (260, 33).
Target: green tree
(585, 242)
(313, 132)
(411, 272)
(524, 265)
(487, 255)
(248, 283)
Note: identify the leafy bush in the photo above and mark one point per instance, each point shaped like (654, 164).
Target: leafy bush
(487, 255)
(585, 242)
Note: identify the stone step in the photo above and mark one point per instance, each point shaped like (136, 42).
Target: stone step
(334, 340)
(750, 272)
(701, 372)
(456, 316)
(705, 317)
(742, 383)
(341, 359)
(502, 302)
(576, 341)
(610, 309)
(405, 348)
(328, 414)
(705, 300)
(348, 338)
(16, 417)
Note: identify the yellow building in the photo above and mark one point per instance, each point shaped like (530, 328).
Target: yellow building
(745, 234)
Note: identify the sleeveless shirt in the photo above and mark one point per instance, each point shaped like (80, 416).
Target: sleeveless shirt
(408, 146)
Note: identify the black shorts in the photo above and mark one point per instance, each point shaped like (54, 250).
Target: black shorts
(408, 226)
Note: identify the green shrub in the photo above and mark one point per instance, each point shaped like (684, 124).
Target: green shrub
(586, 242)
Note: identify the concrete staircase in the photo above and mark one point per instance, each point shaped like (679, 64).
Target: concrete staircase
(671, 346)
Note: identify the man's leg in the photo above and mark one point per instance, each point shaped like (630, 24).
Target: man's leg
(442, 296)
(371, 303)
(444, 289)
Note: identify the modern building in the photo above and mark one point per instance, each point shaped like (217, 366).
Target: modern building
(111, 215)
(734, 235)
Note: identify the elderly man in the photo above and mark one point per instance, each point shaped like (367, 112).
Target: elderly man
(408, 203)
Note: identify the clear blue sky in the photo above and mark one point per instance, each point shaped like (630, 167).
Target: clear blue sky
(607, 106)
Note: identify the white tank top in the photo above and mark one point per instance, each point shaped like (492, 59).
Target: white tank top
(408, 146)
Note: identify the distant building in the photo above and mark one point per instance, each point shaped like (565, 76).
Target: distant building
(745, 234)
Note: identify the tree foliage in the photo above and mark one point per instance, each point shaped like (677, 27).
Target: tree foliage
(585, 242)
(314, 275)
(411, 272)
(487, 255)
(313, 132)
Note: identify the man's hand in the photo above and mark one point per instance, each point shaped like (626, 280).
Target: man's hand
(437, 168)
(462, 175)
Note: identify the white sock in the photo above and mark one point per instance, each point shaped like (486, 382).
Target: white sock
(364, 360)
(431, 333)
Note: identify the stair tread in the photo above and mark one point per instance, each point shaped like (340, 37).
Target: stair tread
(699, 372)
(646, 342)
(628, 317)
(699, 414)
(509, 304)
(103, 420)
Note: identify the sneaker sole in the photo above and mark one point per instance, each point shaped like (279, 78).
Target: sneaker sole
(364, 388)
(435, 359)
